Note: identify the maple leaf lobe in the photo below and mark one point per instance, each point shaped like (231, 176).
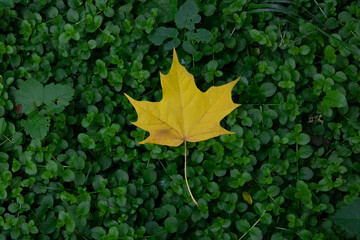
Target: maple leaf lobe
(185, 113)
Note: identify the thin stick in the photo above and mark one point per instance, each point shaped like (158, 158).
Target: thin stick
(187, 184)
(252, 226)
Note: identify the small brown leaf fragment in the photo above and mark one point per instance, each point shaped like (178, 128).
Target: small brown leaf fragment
(18, 109)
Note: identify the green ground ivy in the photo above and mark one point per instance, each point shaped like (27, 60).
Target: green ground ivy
(70, 165)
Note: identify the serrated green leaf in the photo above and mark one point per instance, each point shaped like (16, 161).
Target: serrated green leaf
(62, 94)
(172, 44)
(187, 16)
(37, 127)
(201, 35)
(349, 217)
(29, 95)
(161, 34)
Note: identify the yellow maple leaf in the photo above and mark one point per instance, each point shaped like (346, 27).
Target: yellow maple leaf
(185, 113)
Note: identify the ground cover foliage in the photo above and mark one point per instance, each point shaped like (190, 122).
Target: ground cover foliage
(70, 165)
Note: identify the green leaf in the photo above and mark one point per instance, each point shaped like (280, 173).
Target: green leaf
(187, 16)
(149, 176)
(64, 38)
(70, 226)
(15, 166)
(13, 207)
(166, 9)
(266, 219)
(331, 23)
(253, 144)
(98, 232)
(83, 208)
(29, 95)
(51, 12)
(68, 175)
(113, 232)
(161, 34)
(242, 225)
(31, 168)
(259, 209)
(305, 234)
(6, 4)
(47, 201)
(201, 35)
(72, 15)
(273, 190)
(209, 9)
(197, 157)
(305, 151)
(172, 44)
(306, 173)
(3, 124)
(188, 47)
(3, 192)
(171, 224)
(37, 127)
(98, 19)
(340, 77)
(268, 89)
(329, 54)
(349, 217)
(48, 226)
(334, 98)
(212, 187)
(303, 139)
(62, 94)
(328, 70)
(304, 50)
(15, 233)
(51, 166)
(32, 94)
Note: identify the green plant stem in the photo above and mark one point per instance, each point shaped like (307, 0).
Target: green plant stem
(252, 226)
(7, 139)
(187, 184)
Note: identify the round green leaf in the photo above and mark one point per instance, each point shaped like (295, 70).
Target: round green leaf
(334, 98)
(171, 224)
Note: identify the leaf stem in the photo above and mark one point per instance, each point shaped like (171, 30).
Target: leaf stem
(252, 226)
(7, 139)
(187, 184)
